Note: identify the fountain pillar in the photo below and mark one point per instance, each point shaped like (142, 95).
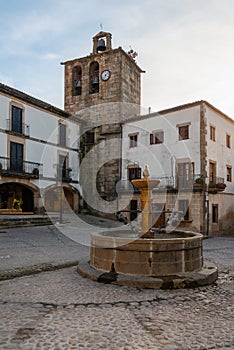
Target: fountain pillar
(146, 185)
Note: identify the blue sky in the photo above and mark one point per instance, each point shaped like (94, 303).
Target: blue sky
(185, 46)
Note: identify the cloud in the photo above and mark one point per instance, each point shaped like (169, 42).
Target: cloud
(50, 56)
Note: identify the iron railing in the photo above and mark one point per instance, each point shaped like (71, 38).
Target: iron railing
(8, 167)
(22, 129)
(63, 173)
(214, 180)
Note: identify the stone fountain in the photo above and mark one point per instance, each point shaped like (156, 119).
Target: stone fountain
(145, 259)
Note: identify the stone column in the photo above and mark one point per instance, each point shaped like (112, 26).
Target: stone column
(146, 207)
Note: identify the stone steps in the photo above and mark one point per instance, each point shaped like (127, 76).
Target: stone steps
(10, 222)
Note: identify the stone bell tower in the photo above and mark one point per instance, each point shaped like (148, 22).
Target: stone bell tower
(103, 89)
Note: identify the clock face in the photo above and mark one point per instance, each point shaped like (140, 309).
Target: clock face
(106, 75)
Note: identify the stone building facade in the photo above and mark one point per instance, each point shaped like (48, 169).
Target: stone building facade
(102, 89)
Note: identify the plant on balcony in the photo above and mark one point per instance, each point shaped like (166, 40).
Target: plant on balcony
(199, 182)
(220, 186)
(212, 188)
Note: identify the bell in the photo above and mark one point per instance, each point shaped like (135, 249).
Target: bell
(95, 81)
(101, 45)
(78, 84)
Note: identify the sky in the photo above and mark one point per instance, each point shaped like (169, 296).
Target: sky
(186, 47)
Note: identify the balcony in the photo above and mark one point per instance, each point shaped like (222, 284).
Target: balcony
(216, 184)
(63, 174)
(19, 129)
(22, 169)
(166, 182)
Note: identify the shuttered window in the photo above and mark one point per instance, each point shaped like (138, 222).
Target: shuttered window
(16, 157)
(183, 132)
(62, 135)
(16, 119)
(184, 208)
(156, 137)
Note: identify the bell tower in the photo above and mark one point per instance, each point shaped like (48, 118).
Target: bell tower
(105, 76)
(103, 89)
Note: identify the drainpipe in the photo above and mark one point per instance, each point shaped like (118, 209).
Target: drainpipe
(207, 217)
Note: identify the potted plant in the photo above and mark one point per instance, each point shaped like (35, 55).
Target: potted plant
(220, 186)
(199, 182)
(212, 188)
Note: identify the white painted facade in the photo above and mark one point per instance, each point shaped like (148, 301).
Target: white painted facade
(217, 150)
(163, 159)
(40, 138)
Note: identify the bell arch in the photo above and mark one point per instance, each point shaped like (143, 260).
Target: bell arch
(77, 81)
(94, 77)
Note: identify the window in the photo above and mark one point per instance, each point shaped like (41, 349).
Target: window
(212, 133)
(62, 134)
(185, 175)
(229, 173)
(133, 140)
(228, 141)
(90, 137)
(215, 213)
(184, 208)
(63, 171)
(183, 132)
(212, 172)
(134, 173)
(156, 137)
(16, 157)
(16, 119)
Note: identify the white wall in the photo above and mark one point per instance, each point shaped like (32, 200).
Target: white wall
(161, 157)
(217, 150)
(42, 145)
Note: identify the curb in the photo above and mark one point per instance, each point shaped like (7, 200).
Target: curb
(34, 269)
(207, 275)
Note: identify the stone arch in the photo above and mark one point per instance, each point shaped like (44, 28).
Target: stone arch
(18, 197)
(77, 81)
(65, 198)
(94, 77)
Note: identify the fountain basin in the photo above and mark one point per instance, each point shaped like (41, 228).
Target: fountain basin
(125, 253)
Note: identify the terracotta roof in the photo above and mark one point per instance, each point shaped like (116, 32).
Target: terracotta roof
(32, 100)
(175, 109)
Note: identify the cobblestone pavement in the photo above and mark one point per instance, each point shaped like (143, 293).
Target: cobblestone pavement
(60, 310)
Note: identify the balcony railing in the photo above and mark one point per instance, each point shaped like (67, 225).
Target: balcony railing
(63, 174)
(166, 182)
(214, 180)
(31, 169)
(21, 129)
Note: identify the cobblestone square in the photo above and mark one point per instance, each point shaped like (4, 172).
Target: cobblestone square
(61, 310)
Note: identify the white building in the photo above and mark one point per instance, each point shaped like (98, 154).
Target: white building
(190, 149)
(38, 154)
